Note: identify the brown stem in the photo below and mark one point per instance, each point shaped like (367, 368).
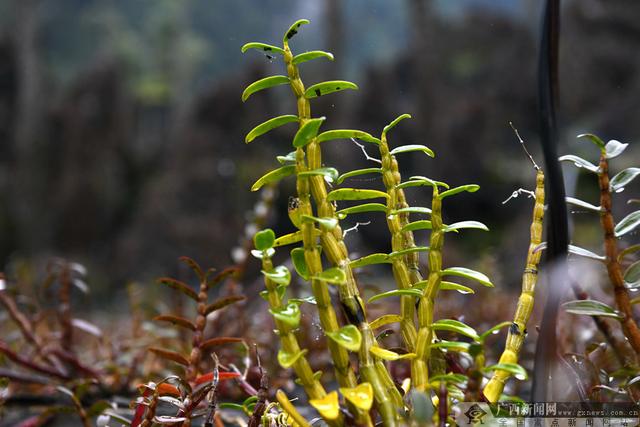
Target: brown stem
(198, 334)
(621, 294)
(20, 360)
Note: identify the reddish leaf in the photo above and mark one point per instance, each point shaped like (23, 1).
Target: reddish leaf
(180, 286)
(219, 341)
(194, 266)
(171, 355)
(222, 376)
(222, 275)
(140, 408)
(165, 389)
(223, 302)
(177, 320)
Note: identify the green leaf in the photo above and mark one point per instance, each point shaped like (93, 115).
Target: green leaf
(325, 223)
(369, 260)
(469, 274)
(274, 176)
(627, 224)
(580, 163)
(328, 406)
(310, 299)
(404, 252)
(265, 83)
(280, 275)
(357, 172)
(293, 30)
(365, 207)
(261, 254)
(471, 188)
(355, 194)
(449, 378)
(308, 56)
(423, 224)
(465, 224)
(412, 148)
(348, 337)
(591, 308)
(265, 127)
(325, 88)
(307, 132)
(455, 326)
(583, 204)
(393, 124)
(494, 330)
(299, 263)
(627, 251)
(281, 291)
(411, 210)
(289, 158)
(264, 239)
(360, 396)
(288, 239)
(330, 174)
(450, 286)
(346, 134)
(333, 275)
(267, 48)
(513, 368)
(614, 148)
(632, 275)
(462, 347)
(402, 292)
(287, 360)
(385, 320)
(622, 178)
(585, 253)
(419, 181)
(597, 141)
(290, 314)
(388, 354)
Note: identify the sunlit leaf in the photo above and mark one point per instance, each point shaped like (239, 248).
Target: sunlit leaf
(357, 172)
(87, 327)
(308, 56)
(328, 406)
(494, 330)
(264, 239)
(407, 251)
(329, 174)
(290, 314)
(270, 124)
(470, 188)
(614, 148)
(591, 308)
(288, 239)
(293, 29)
(289, 158)
(583, 204)
(412, 148)
(385, 320)
(465, 224)
(262, 84)
(411, 210)
(462, 347)
(168, 419)
(180, 286)
(419, 181)
(593, 138)
(346, 134)
(361, 396)
(324, 88)
(310, 299)
(627, 251)
(267, 48)
(307, 132)
(449, 378)
(355, 194)
(170, 355)
(348, 337)
(365, 207)
(585, 253)
(385, 354)
(627, 224)
(580, 163)
(513, 368)
(469, 274)
(402, 292)
(274, 176)
(423, 224)
(455, 326)
(176, 320)
(261, 254)
(223, 302)
(395, 122)
(450, 286)
(280, 275)
(623, 178)
(299, 263)
(332, 275)
(326, 222)
(632, 275)
(369, 260)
